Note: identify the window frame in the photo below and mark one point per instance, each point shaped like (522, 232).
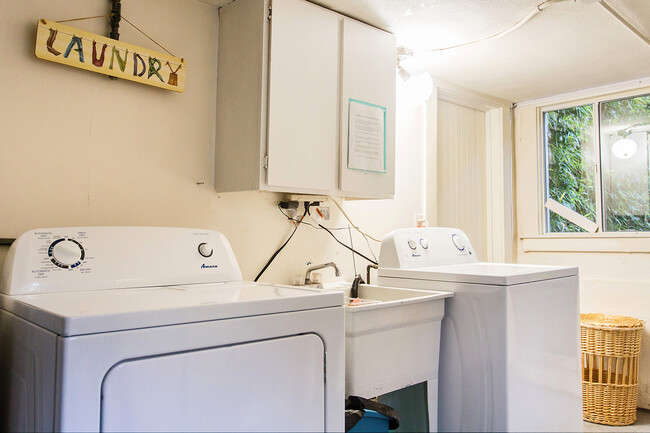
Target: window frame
(594, 100)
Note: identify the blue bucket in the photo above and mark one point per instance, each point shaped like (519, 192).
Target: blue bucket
(371, 422)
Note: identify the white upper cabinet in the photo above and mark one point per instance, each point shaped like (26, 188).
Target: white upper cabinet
(368, 63)
(303, 97)
(286, 72)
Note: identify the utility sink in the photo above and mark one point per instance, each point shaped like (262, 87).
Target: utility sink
(392, 338)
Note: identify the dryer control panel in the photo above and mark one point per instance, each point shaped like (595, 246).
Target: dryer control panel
(426, 246)
(98, 258)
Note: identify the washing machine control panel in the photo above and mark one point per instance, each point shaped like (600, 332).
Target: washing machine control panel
(428, 246)
(98, 258)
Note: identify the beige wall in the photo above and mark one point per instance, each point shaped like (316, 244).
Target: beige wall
(614, 269)
(79, 149)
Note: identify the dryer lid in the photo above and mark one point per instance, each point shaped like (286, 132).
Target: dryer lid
(89, 312)
(500, 274)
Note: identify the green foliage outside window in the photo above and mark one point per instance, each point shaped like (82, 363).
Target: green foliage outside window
(571, 158)
(570, 164)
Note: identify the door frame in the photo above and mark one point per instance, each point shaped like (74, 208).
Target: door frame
(498, 164)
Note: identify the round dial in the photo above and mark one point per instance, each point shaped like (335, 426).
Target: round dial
(412, 244)
(424, 243)
(458, 242)
(66, 253)
(205, 249)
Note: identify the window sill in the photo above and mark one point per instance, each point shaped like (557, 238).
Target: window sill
(638, 242)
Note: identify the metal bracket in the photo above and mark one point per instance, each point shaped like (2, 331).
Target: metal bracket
(116, 17)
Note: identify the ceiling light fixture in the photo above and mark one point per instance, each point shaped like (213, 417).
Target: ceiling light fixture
(418, 87)
(403, 53)
(624, 148)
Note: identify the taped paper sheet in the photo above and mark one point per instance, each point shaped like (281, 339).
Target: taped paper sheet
(366, 137)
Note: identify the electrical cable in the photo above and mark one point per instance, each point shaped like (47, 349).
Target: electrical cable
(370, 249)
(307, 206)
(307, 223)
(341, 243)
(283, 245)
(354, 262)
(539, 8)
(301, 221)
(331, 229)
(350, 221)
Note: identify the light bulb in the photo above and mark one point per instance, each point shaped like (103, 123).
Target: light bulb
(419, 88)
(624, 148)
(403, 73)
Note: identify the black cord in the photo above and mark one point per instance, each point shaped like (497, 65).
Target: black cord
(351, 249)
(301, 221)
(307, 206)
(283, 245)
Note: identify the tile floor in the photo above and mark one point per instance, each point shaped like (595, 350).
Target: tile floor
(642, 424)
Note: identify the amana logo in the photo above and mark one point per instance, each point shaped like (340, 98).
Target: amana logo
(204, 266)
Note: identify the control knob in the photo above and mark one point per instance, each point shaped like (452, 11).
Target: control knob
(458, 242)
(205, 249)
(412, 244)
(66, 253)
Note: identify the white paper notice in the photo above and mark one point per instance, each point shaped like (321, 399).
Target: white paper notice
(366, 137)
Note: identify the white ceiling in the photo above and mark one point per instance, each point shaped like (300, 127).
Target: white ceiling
(568, 46)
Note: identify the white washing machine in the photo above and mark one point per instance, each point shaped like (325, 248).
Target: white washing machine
(153, 329)
(510, 342)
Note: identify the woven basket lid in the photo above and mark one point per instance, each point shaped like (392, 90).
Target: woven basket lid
(609, 321)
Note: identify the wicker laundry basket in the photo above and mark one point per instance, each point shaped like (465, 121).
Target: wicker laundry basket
(610, 368)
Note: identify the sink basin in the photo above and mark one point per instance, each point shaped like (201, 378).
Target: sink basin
(393, 343)
(392, 338)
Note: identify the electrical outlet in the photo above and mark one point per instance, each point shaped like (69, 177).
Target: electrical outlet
(326, 212)
(305, 197)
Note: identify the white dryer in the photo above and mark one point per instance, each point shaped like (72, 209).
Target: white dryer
(510, 343)
(153, 329)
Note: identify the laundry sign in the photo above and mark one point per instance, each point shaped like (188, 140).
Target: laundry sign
(73, 47)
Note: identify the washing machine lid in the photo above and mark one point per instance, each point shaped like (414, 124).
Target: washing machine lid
(500, 274)
(97, 311)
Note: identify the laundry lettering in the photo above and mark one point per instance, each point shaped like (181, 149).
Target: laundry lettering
(75, 41)
(121, 61)
(99, 62)
(62, 44)
(137, 59)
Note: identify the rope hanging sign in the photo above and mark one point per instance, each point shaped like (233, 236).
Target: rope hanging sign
(59, 43)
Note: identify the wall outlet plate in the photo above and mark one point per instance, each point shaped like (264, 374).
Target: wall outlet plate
(325, 210)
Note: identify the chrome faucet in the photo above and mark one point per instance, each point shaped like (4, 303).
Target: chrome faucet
(317, 267)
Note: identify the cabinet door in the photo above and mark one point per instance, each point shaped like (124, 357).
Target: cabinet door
(303, 97)
(368, 76)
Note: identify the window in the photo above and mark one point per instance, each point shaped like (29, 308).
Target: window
(597, 166)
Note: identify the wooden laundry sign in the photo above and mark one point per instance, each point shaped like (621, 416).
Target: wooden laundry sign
(73, 47)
